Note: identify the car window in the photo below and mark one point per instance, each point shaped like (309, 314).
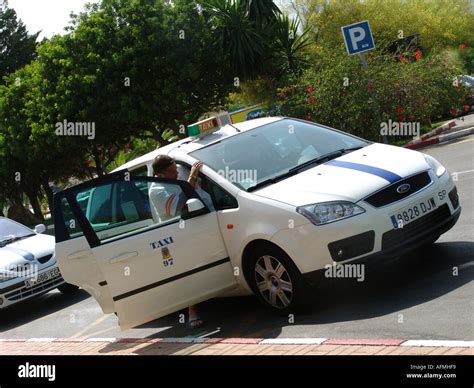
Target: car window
(99, 209)
(117, 209)
(213, 196)
(69, 220)
(141, 171)
(9, 229)
(272, 149)
(221, 198)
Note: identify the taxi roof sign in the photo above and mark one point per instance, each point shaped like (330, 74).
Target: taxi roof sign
(203, 127)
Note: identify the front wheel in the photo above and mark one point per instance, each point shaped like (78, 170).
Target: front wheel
(275, 280)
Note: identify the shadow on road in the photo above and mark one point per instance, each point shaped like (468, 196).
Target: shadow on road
(38, 307)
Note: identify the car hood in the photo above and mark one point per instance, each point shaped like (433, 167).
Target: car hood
(26, 251)
(350, 177)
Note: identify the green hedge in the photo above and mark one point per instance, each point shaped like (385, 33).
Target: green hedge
(336, 91)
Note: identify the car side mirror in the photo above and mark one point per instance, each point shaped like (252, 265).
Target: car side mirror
(194, 205)
(40, 228)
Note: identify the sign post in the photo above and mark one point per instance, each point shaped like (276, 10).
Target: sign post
(358, 39)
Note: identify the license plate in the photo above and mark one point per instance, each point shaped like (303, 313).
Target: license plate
(43, 277)
(411, 213)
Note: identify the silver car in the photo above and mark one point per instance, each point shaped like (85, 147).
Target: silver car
(28, 265)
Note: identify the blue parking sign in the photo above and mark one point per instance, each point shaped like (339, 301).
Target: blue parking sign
(358, 37)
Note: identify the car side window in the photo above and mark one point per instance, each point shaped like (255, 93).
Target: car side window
(118, 208)
(201, 188)
(213, 195)
(141, 171)
(69, 220)
(99, 209)
(221, 198)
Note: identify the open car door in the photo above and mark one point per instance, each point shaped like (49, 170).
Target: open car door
(152, 265)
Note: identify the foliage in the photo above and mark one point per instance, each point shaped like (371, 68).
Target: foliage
(337, 92)
(466, 54)
(133, 69)
(17, 47)
(440, 23)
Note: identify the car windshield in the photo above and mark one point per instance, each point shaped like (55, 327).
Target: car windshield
(12, 231)
(274, 150)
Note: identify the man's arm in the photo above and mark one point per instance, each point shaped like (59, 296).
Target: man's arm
(193, 175)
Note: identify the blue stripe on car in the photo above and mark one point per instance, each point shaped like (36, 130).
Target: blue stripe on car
(387, 175)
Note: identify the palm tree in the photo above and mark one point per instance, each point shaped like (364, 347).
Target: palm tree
(259, 40)
(288, 45)
(261, 11)
(242, 28)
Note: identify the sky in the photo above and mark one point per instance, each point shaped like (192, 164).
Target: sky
(49, 16)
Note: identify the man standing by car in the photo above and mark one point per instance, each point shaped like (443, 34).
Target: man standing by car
(167, 203)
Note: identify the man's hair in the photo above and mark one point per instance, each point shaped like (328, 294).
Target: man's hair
(161, 163)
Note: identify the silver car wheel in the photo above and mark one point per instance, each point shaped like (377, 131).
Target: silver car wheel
(273, 282)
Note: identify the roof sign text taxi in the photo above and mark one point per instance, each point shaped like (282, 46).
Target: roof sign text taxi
(203, 127)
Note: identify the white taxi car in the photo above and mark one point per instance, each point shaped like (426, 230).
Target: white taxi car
(279, 200)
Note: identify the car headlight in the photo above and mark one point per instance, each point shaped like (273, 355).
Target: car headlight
(6, 275)
(436, 166)
(326, 212)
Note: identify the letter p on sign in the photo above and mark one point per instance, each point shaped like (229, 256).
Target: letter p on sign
(358, 38)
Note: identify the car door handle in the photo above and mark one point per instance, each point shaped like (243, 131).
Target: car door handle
(80, 254)
(123, 257)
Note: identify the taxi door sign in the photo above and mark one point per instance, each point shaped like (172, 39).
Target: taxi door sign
(203, 127)
(167, 258)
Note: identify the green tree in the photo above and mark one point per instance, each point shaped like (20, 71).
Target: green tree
(440, 23)
(17, 47)
(261, 44)
(19, 170)
(289, 45)
(239, 36)
(467, 57)
(133, 69)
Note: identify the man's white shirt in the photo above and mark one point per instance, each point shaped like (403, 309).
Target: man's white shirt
(166, 201)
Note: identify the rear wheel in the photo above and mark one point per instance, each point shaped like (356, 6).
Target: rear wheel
(67, 288)
(275, 280)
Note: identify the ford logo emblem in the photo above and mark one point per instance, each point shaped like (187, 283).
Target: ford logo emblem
(402, 189)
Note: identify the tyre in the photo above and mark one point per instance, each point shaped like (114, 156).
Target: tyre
(275, 280)
(67, 288)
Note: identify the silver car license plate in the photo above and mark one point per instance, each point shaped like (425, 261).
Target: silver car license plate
(42, 277)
